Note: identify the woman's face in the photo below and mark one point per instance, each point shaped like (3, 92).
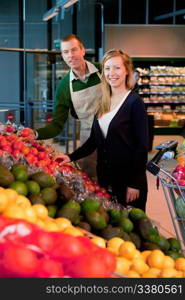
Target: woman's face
(115, 72)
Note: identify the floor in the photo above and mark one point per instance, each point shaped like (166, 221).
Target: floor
(157, 208)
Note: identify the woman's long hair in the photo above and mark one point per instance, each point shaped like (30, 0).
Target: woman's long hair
(105, 101)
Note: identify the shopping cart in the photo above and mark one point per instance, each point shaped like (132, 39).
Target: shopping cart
(170, 185)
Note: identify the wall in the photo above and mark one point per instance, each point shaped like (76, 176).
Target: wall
(147, 40)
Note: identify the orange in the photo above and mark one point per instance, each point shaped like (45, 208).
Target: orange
(3, 201)
(14, 211)
(122, 265)
(99, 241)
(149, 274)
(168, 262)
(50, 225)
(73, 231)
(145, 254)
(180, 264)
(40, 223)
(12, 195)
(30, 215)
(1, 188)
(133, 274)
(127, 250)
(22, 201)
(155, 259)
(115, 243)
(113, 250)
(136, 254)
(155, 271)
(41, 211)
(168, 273)
(179, 274)
(62, 223)
(139, 266)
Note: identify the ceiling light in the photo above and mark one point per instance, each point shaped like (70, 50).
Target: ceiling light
(50, 14)
(65, 3)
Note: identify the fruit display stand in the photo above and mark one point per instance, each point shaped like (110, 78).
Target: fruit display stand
(39, 196)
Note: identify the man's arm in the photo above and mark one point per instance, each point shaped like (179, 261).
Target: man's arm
(61, 111)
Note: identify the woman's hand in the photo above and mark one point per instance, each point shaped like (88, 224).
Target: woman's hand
(131, 194)
(62, 159)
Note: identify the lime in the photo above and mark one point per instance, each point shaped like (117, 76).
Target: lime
(20, 174)
(90, 205)
(33, 187)
(126, 224)
(174, 244)
(136, 214)
(49, 195)
(19, 187)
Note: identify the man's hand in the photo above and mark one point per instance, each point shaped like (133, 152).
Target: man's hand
(131, 194)
(62, 159)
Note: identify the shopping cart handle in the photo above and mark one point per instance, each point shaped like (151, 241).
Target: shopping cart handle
(153, 168)
(169, 145)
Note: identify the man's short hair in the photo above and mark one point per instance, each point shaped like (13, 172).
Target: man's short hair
(69, 37)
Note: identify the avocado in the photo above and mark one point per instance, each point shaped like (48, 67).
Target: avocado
(125, 236)
(145, 228)
(110, 232)
(6, 177)
(149, 246)
(66, 191)
(96, 220)
(49, 195)
(69, 213)
(43, 179)
(85, 226)
(114, 216)
(104, 213)
(174, 254)
(73, 204)
(135, 239)
(36, 199)
(90, 204)
(52, 209)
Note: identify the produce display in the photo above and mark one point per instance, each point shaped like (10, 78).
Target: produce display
(57, 222)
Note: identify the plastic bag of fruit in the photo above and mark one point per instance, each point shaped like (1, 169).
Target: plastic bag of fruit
(28, 251)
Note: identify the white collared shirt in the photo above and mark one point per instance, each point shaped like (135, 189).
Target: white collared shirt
(90, 70)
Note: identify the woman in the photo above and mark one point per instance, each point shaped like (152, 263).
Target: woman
(119, 133)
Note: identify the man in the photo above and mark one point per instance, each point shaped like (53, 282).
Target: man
(78, 92)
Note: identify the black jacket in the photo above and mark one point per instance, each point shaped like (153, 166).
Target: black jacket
(122, 155)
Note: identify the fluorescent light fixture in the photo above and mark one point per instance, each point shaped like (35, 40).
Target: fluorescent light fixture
(50, 13)
(65, 3)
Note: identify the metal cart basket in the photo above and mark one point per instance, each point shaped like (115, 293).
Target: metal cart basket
(170, 186)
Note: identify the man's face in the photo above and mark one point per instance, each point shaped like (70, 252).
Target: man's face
(72, 53)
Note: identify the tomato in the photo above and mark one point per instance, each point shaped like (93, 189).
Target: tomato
(109, 259)
(88, 266)
(44, 240)
(49, 268)
(68, 246)
(18, 145)
(20, 261)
